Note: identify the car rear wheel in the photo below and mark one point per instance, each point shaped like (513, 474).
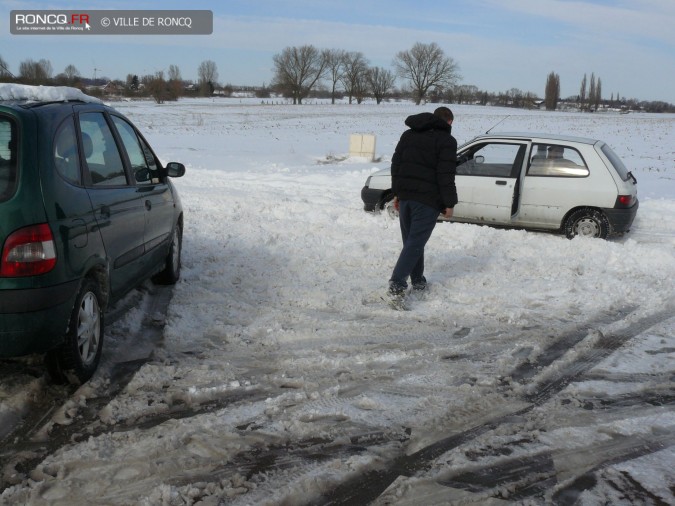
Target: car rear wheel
(76, 360)
(587, 223)
(171, 273)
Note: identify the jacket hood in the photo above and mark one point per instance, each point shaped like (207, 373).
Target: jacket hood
(426, 121)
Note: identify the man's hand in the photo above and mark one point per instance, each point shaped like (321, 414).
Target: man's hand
(396, 203)
(447, 213)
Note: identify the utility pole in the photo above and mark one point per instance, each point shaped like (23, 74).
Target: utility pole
(95, 70)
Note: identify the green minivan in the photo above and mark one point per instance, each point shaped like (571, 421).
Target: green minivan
(87, 213)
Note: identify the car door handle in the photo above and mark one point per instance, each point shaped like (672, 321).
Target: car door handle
(501, 183)
(78, 233)
(148, 205)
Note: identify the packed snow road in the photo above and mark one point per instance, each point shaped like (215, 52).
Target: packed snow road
(513, 438)
(535, 370)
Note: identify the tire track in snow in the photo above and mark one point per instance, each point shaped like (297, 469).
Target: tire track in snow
(605, 346)
(564, 343)
(629, 449)
(530, 476)
(288, 457)
(370, 485)
(26, 450)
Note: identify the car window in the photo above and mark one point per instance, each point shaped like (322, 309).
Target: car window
(100, 151)
(140, 156)
(492, 159)
(614, 159)
(8, 158)
(556, 160)
(66, 159)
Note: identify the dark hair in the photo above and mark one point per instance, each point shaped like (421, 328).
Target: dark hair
(444, 113)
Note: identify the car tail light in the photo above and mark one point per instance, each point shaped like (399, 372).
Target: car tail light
(624, 201)
(28, 251)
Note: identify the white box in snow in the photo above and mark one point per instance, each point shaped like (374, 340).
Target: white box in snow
(362, 145)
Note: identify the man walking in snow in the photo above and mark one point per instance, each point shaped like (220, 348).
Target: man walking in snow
(423, 182)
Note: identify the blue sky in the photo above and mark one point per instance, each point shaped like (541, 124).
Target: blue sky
(498, 44)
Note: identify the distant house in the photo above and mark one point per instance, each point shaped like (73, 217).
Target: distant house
(112, 88)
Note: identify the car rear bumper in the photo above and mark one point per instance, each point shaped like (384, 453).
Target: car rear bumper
(620, 220)
(371, 198)
(35, 320)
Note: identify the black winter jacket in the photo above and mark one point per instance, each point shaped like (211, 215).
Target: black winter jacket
(424, 162)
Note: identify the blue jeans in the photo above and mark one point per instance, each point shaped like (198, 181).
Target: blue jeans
(417, 222)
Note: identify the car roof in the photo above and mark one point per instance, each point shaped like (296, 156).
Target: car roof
(536, 136)
(32, 104)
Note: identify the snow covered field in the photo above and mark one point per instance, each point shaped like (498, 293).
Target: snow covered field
(536, 370)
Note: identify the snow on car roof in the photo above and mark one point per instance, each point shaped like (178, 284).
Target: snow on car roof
(24, 92)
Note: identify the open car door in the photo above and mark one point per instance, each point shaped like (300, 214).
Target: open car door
(487, 180)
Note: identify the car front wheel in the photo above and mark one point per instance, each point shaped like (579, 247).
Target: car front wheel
(390, 210)
(171, 273)
(76, 360)
(587, 223)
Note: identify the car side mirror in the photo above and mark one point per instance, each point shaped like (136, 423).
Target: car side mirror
(479, 159)
(175, 169)
(142, 175)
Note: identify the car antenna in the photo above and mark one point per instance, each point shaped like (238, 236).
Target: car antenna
(506, 117)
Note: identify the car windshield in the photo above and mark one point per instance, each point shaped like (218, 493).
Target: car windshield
(614, 159)
(8, 158)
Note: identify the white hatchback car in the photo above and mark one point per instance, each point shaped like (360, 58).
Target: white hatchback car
(573, 185)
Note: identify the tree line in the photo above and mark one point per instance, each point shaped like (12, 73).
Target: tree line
(425, 67)
(301, 72)
(161, 86)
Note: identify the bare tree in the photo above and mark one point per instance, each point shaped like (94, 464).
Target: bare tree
(71, 74)
(361, 88)
(4, 69)
(515, 97)
(591, 92)
(426, 66)
(355, 68)
(334, 68)
(466, 93)
(582, 92)
(529, 100)
(552, 91)
(381, 81)
(33, 72)
(174, 73)
(158, 88)
(297, 70)
(175, 83)
(46, 67)
(598, 94)
(208, 76)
